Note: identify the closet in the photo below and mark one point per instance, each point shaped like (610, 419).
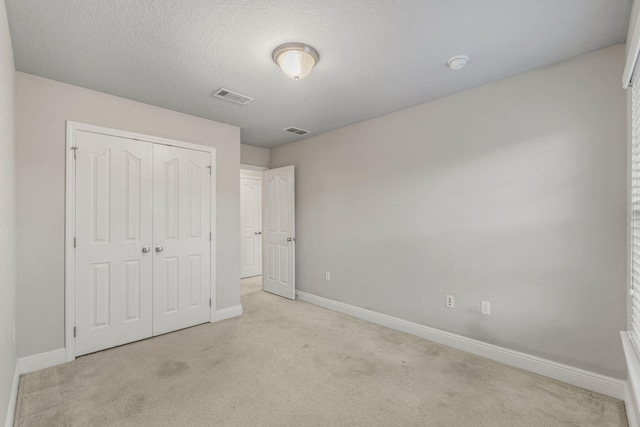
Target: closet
(142, 237)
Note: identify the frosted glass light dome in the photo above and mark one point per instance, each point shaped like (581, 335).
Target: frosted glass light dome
(296, 60)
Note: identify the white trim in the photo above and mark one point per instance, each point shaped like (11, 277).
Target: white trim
(631, 397)
(213, 271)
(227, 313)
(27, 364)
(70, 218)
(249, 174)
(253, 168)
(69, 254)
(633, 45)
(568, 374)
(630, 408)
(42, 360)
(13, 397)
(137, 136)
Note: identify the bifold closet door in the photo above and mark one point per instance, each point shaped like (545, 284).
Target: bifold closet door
(143, 250)
(113, 230)
(181, 235)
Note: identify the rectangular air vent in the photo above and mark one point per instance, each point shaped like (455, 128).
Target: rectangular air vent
(229, 95)
(296, 131)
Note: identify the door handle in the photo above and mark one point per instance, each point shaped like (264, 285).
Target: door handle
(258, 232)
(159, 248)
(291, 239)
(146, 250)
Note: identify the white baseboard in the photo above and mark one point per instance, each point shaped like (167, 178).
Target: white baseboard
(42, 360)
(228, 313)
(13, 397)
(631, 402)
(589, 380)
(56, 357)
(630, 407)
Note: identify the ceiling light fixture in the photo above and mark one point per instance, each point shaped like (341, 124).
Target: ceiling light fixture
(296, 60)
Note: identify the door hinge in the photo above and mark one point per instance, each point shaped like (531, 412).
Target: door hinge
(74, 331)
(209, 236)
(209, 302)
(75, 149)
(74, 242)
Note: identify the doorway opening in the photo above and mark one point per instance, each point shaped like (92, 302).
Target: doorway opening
(250, 223)
(267, 228)
(250, 285)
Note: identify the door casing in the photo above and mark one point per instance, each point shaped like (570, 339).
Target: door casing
(70, 218)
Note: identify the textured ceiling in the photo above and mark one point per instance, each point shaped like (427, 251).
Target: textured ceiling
(376, 56)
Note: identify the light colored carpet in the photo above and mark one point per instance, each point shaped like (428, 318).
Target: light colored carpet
(286, 363)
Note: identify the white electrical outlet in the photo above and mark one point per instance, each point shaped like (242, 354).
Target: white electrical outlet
(327, 276)
(450, 303)
(485, 307)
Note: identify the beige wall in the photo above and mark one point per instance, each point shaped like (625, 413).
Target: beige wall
(43, 106)
(255, 156)
(513, 193)
(8, 282)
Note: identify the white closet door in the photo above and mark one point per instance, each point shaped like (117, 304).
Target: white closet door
(279, 276)
(250, 227)
(181, 233)
(113, 226)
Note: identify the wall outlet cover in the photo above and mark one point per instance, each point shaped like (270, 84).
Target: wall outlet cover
(450, 301)
(485, 307)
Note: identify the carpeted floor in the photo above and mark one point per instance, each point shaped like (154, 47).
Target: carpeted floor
(286, 363)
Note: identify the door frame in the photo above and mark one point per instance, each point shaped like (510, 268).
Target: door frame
(70, 218)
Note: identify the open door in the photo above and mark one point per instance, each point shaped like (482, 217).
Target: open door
(278, 198)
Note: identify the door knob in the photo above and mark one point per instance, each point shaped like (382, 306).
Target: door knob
(159, 248)
(146, 250)
(291, 239)
(258, 232)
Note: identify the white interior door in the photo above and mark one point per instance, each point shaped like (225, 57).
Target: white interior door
(181, 236)
(279, 232)
(113, 230)
(251, 226)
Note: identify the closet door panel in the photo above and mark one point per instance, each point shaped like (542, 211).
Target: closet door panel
(181, 229)
(113, 225)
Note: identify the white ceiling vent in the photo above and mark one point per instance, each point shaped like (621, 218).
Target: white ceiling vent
(229, 95)
(296, 131)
